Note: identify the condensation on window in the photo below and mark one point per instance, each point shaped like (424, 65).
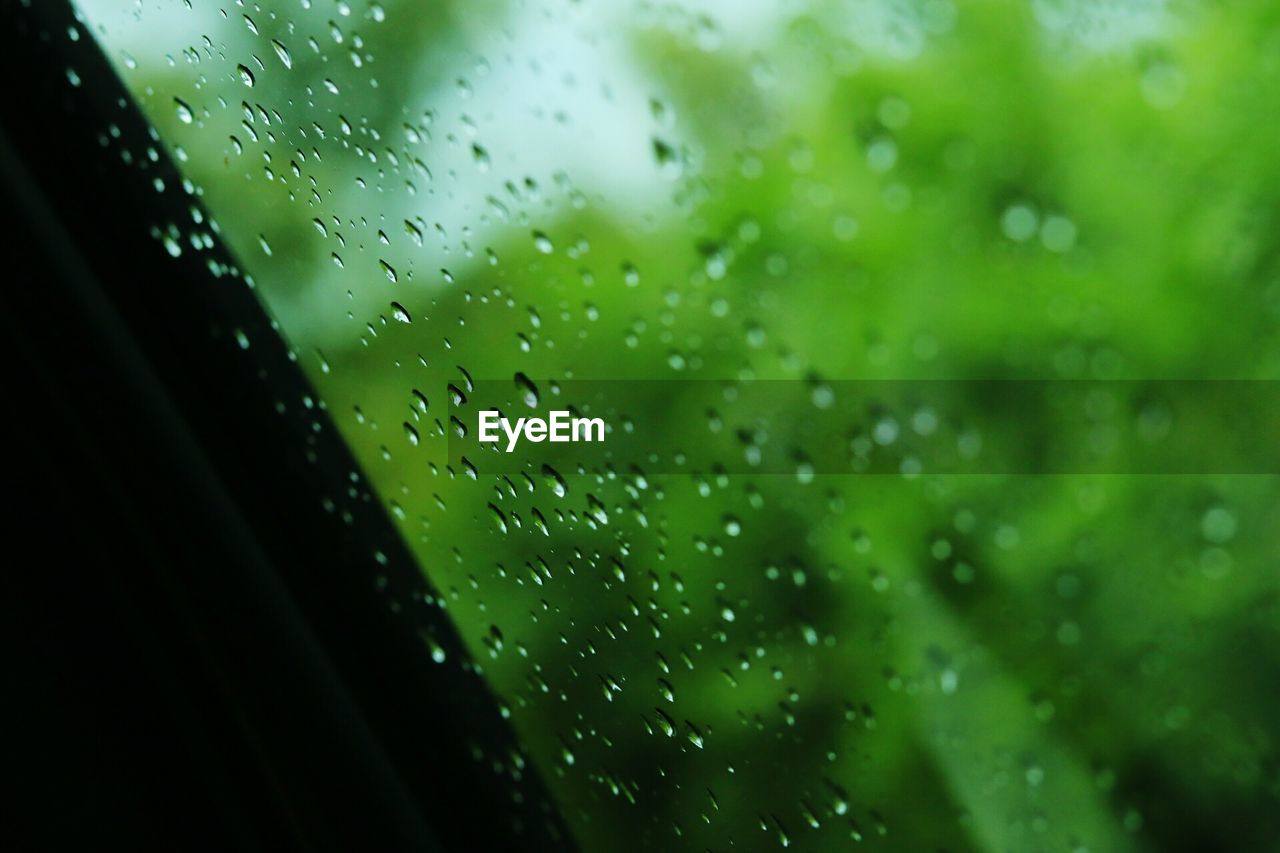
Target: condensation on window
(427, 196)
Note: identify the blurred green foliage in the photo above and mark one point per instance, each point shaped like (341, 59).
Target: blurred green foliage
(790, 190)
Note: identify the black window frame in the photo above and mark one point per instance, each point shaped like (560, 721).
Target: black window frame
(216, 630)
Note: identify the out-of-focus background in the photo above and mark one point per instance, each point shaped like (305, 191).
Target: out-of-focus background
(430, 194)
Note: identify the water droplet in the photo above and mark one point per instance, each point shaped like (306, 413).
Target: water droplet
(1019, 223)
(283, 53)
(528, 391)
(1218, 525)
(557, 484)
(499, 517)
(414, 232)
(630, 275)
(1058, 234)
(667, 157)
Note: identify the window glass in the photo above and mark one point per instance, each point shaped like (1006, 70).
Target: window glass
(700, 655)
